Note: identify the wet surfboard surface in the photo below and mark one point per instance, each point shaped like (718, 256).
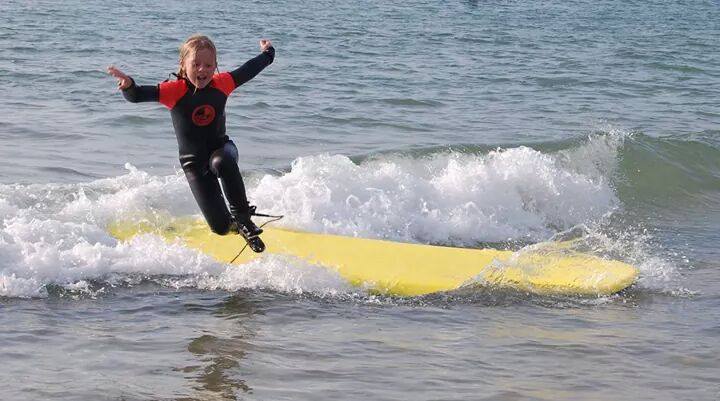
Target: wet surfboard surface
(405, 269)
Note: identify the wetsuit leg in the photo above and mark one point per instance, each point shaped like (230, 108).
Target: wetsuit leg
(223, 163)
(206, 190)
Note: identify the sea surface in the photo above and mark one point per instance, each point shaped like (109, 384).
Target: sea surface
(463, 123)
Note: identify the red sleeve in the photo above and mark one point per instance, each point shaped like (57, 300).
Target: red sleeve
(171, 92)
(224, 82)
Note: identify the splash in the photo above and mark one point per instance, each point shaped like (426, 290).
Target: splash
(55, 234)
(450, 198)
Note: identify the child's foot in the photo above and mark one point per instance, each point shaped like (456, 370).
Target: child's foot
(256, 244)
(248, 229)
(251, 233)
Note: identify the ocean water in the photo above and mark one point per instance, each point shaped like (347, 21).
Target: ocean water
(464, 123)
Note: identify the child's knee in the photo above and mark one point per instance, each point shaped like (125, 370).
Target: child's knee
(220, 163)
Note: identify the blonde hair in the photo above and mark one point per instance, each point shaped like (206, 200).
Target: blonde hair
(190, 47)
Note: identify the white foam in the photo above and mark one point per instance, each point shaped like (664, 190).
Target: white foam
(454, 198)
(56, 233)
(597, 156)
(132, 195)
(6, 209)
(279, 273)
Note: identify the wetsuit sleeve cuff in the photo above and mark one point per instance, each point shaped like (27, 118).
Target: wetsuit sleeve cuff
(132, 85)
(130, 93)
(270, 51)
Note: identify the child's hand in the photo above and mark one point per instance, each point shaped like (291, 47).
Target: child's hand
(265, 44)
(124, 81)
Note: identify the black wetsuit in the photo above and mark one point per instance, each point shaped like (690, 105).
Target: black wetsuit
(206, 152)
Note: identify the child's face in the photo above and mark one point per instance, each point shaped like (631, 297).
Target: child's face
(200, 67)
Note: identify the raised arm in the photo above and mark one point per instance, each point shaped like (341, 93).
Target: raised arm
(132, 92)
(253, 66)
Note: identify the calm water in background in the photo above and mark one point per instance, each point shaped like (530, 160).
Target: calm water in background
(463, 123)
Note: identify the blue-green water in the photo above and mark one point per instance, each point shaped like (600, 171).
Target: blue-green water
(464, 123)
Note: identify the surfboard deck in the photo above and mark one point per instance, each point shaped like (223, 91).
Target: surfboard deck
(405, 269)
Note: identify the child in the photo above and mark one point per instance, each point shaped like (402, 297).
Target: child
(197, 106)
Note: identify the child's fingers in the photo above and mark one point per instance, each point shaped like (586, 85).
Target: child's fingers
(116, 73)
(123, 80)
(265, 44)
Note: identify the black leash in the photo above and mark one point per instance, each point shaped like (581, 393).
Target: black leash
(273, 219)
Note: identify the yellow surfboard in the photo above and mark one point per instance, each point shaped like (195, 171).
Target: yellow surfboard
(404, 269)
